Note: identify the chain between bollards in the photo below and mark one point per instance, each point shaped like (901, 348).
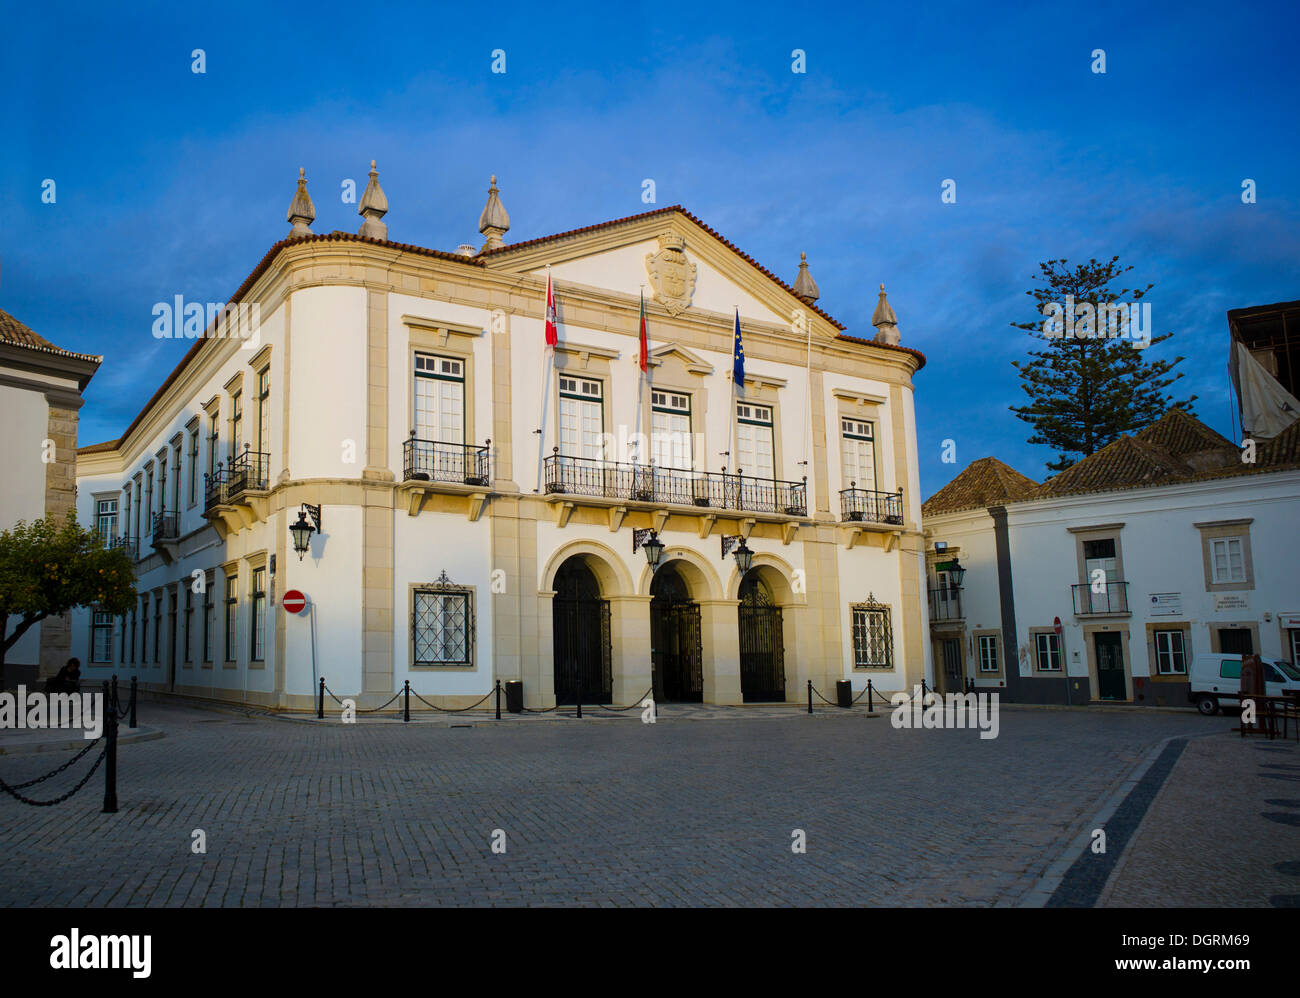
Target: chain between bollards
(110, 759)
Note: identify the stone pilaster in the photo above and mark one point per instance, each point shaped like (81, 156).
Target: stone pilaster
(60, 500)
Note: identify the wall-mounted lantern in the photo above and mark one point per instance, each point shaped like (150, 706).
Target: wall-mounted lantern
(744, 556)
(648, 540)
(304, 528)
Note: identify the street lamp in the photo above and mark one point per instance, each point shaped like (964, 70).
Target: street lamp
(303, 529)
(744, 556)
(648, 540)
(956, 573)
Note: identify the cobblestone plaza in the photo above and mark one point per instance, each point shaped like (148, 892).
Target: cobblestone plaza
(701, 808)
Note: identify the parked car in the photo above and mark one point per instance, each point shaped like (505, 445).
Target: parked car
(1216, 680)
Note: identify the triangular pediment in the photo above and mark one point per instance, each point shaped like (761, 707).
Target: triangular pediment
(680, 265)
(692, 361)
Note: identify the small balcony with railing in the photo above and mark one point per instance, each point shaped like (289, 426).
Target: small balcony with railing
(945, 605)
(439, 461)
(442, 467)
(706, 491)
(867, 506)
(166, 530)
(235, 495)
(130, 545)
(1102, 599)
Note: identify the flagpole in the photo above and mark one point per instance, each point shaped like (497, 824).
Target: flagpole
(643, 376)
(548, 357)
(731, 416)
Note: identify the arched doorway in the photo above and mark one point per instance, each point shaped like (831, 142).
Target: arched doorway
(676, 652)
(583, 652)
(762, 642)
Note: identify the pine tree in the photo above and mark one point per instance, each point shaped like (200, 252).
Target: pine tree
(1087, 390)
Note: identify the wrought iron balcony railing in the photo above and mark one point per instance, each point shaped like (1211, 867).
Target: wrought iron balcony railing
(648, 483)
(247, 471)
(1113, 600)
(871, 507)
(128, 544)
(166, 527)
(436, 461)
(945, 604)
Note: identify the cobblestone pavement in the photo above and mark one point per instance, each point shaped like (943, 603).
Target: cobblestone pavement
(1224, 831)
(698, 813)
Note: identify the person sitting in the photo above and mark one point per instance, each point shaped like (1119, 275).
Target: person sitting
(68, 680)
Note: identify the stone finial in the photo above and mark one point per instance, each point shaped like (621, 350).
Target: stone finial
(373, 207)
(805, 288)
(494, 222)
(885, 321)
(301, 211)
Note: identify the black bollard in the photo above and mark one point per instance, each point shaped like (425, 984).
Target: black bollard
(110, 759)
(498, 699)
(134, 689)
(320, 703)
(871, 707)
(810, 696)
(406, 708)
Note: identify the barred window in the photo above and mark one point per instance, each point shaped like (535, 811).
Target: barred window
(873, 636)
(442, 625)
(101, 644)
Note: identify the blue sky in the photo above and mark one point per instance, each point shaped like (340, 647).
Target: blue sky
(173, 183)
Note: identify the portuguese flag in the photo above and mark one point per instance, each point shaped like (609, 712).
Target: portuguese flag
(645, 347)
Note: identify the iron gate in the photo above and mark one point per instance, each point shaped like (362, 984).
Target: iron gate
(762, 645)
(583, 650)
(677, 658)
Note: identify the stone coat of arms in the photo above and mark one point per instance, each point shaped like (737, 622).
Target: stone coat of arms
(671, 275)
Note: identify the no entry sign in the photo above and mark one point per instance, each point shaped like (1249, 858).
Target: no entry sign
(1056, 621)
(294, 601)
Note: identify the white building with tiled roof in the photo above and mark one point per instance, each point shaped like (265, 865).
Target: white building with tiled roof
(1101, 583)
(470, 499)
(40, 395)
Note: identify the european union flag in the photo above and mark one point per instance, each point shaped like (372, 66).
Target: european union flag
(738, 356)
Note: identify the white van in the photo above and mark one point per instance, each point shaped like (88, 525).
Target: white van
(1216, 679)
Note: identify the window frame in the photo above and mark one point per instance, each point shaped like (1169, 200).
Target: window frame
(1156, 635)
(230, 620)
(1058, 653)
(864, 618)
(444, 589)
(257, 620)
(994, 643)
(97, 626)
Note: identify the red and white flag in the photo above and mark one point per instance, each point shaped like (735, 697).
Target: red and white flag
(552, 336)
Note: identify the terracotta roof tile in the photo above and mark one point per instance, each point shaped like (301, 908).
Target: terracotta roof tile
(986, 482)
(15, 332)
(1180, 433)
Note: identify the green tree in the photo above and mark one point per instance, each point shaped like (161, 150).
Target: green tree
(48, 568)
(1087, 390)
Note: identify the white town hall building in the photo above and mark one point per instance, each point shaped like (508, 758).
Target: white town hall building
(468, 496)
